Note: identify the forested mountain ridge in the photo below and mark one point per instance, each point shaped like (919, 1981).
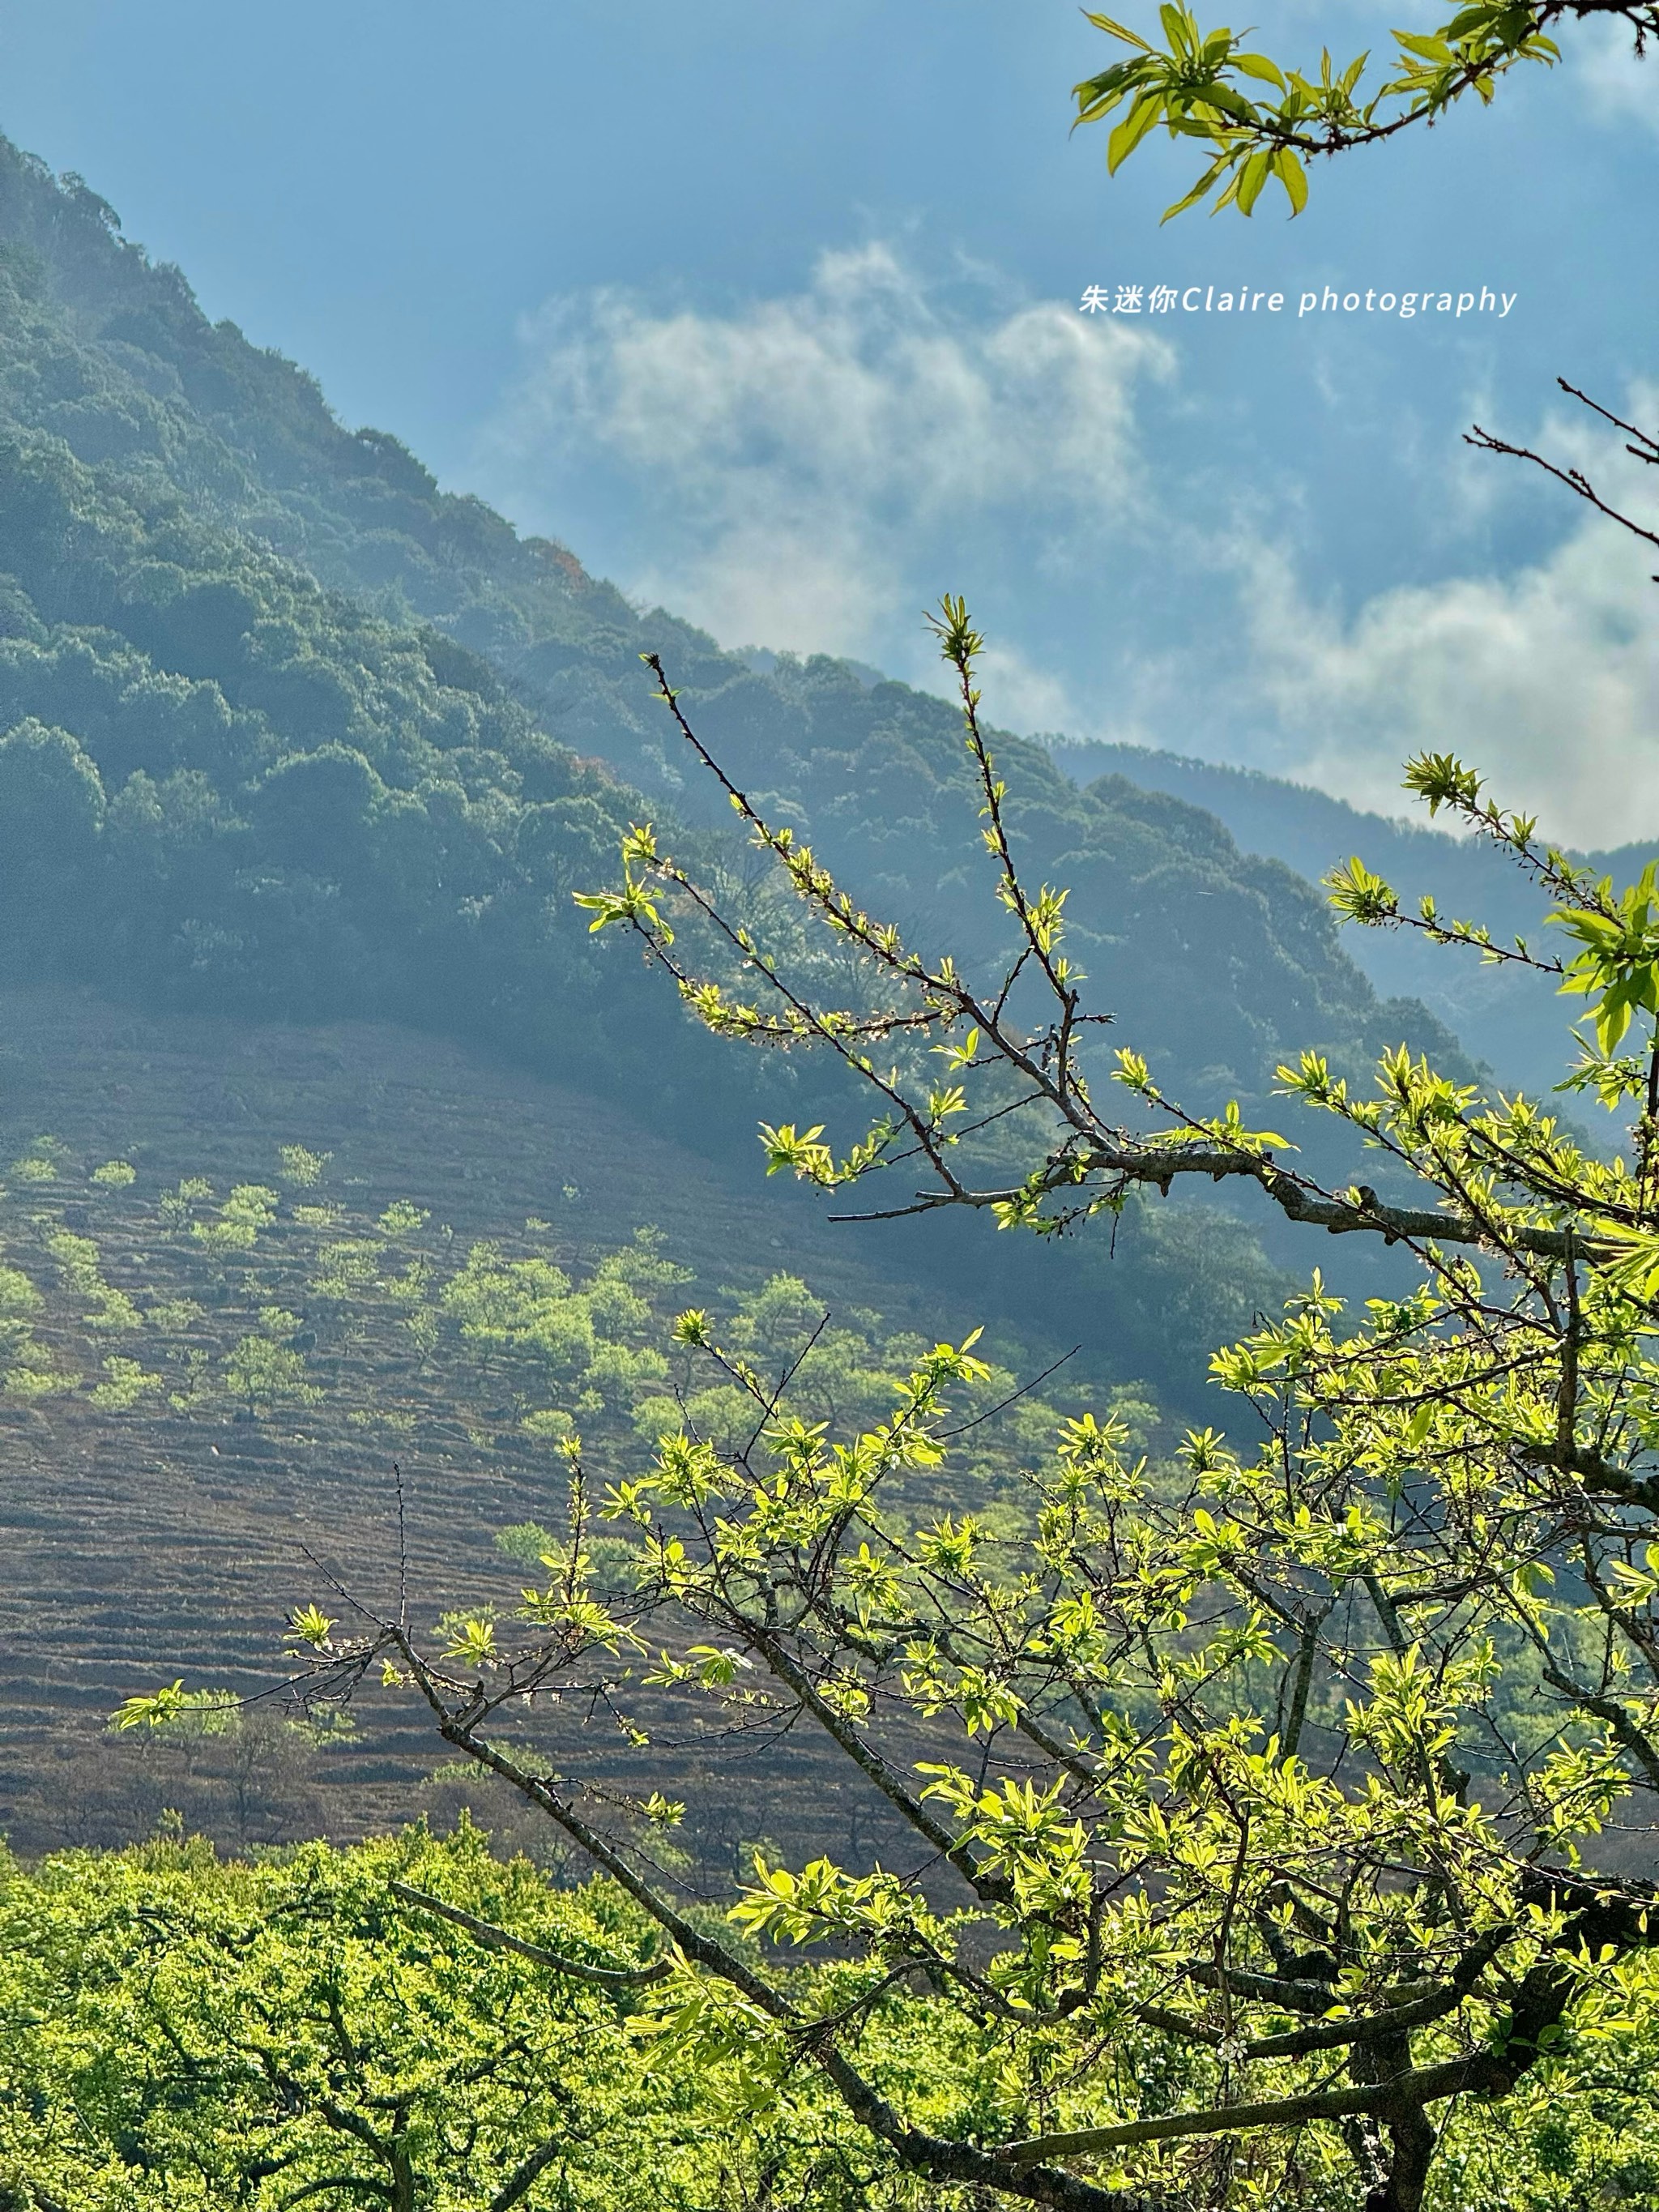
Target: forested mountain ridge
(1503, 1015)
(291, 730)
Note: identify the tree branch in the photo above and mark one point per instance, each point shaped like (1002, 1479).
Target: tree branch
(498, 1939)
(525, 2175)
(1425, 2085)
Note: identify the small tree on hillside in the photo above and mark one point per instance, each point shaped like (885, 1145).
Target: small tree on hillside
(263, 1367)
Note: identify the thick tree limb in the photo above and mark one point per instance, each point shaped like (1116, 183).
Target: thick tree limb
(1160, 1164)
(1600, 1476)
(1397, 2019)
(1036, 2183)
(1425, 2085)
(991, 1888)
(524, 2176)
(1620, 1914)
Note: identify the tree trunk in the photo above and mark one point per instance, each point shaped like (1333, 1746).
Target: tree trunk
(402, 2173)
(1395, 2182)
(1412, 2139)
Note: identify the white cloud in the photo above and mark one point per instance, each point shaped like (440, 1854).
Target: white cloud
(799, 461)
(1547, 680)
(1021, 696)
(1617, 86)
(797, 466)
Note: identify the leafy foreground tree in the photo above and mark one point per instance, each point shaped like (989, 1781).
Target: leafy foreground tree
(1207, 85)
(1248, 1812)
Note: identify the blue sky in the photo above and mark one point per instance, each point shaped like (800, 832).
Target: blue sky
(771, 312)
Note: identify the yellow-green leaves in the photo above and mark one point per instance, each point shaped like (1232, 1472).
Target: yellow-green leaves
(245, 1214)
(798, 1153)
(690, 1470)
(716, 1665)
(959, 642)
(1022, 1830)
(823, 1902)
(1469, 52)
(976, 1695)
(126, 1383)
(633, 904)
(1043, 915)
(111, 1309)
(302, 1168)
(1619, 969)
(1192, 89)
(1411, 1717)
(1199, 85)
(1442, 780)
(469, 1638)
(153, 1709)
(1287, 168)
(1358, 894)
(950, 1544)
(1229, 1128)
(874, 1583)
(1628, 1259)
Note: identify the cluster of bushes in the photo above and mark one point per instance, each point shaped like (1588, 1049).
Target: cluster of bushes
(179, 2030)
(283, 1301)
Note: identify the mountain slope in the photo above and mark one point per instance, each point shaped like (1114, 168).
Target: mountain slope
(292, 732)
(349, 1201)
(290, 738)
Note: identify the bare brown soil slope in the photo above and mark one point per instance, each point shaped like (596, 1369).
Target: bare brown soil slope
(157, 1516)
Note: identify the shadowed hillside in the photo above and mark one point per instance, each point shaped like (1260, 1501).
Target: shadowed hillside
(243, 1270)
(1512, 1020)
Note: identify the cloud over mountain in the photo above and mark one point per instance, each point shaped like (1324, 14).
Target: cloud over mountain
(1545, 678)
(807, 471)
(800, 461)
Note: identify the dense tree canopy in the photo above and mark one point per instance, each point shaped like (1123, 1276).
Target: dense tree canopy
(180, 2032)
(415, 2023)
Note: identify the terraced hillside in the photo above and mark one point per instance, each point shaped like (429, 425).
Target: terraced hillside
(244, 1270)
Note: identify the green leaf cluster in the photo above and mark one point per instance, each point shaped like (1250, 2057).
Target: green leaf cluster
(1206, 86)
